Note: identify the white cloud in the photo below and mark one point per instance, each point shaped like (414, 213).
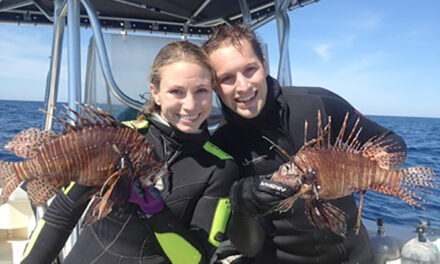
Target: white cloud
(367, 21)
(323, 50)
(360, 64)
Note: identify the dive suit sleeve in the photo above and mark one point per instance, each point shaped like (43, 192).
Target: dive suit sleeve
(52, 231)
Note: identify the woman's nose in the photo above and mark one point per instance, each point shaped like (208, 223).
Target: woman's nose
(189, 102)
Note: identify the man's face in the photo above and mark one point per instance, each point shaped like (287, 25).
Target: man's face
(242, 79)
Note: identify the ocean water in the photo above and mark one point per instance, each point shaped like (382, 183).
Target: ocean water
(422, 136)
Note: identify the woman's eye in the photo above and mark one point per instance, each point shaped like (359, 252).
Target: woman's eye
(176, 92)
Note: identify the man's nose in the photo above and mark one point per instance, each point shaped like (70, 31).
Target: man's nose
(241, 82)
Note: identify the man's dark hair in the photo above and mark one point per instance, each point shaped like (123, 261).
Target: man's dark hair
(225, 35)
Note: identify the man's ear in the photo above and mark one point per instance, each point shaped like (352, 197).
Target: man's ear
(154, 94)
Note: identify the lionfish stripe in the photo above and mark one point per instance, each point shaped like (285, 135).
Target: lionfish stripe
(352, 132)
(341, 132)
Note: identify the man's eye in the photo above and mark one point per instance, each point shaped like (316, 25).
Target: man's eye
(202, 90)
(250, 71)
(226, 79)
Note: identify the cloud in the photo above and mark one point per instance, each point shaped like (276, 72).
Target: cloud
(360, 64)
(323, 51)
(367, 21)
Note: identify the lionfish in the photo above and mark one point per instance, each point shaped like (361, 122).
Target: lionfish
(321, 171)
(95, 150)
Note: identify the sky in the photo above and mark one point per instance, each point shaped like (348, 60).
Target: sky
(381, 56)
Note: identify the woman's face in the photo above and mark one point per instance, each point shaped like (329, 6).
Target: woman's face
(184, 95)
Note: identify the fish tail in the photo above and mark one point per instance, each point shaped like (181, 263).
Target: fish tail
(410, 182)
(9, 180)
(417, 178)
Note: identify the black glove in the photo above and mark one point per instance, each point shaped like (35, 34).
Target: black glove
(257, 196)
(227, 253)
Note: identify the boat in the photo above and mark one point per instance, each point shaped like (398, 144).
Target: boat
(134, 23)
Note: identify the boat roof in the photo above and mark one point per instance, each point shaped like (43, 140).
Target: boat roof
(175, 16)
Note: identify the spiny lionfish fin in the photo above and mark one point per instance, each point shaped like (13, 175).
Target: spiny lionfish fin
(90, 214)
(121, 192)
(383, 151)
(340, 136)
(86, 109)
(286, 204)
(26, 144)
(325, 215)
(319, 136)
(106, 117)
(84, 120)
(9, 180)
(40, 190)
(66, 115)
(104, 205)
(280, 149)
(357, 227)
(323, 134)
(65, 126)
(402, 193)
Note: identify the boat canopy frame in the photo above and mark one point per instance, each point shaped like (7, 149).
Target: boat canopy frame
(191, 17)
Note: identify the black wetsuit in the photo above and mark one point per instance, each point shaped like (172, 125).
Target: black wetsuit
(195, 192)
(289, 238)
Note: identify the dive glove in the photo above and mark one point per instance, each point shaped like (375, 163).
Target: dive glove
(258, 196)
(148, 199)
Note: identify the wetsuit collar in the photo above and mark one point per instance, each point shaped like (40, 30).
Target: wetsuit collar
(179, 140)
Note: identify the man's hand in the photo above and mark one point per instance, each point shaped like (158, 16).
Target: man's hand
(258, 196)
(148, 199)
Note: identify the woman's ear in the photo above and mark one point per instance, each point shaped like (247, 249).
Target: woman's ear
(154, 94)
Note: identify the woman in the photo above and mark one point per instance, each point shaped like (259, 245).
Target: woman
(191, 224)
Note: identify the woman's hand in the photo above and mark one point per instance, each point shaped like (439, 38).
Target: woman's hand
(147, 198)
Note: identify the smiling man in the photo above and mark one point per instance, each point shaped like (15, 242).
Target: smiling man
(256, 108)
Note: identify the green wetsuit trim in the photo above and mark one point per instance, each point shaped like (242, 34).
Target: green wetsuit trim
(177, 249)
(216, 151)
(220, 221)
(136, 124)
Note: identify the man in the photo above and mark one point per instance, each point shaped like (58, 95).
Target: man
(256, 108)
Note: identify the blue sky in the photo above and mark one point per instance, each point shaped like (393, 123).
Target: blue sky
(382, 56)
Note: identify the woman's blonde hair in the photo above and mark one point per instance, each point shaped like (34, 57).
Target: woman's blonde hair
(171, 53)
